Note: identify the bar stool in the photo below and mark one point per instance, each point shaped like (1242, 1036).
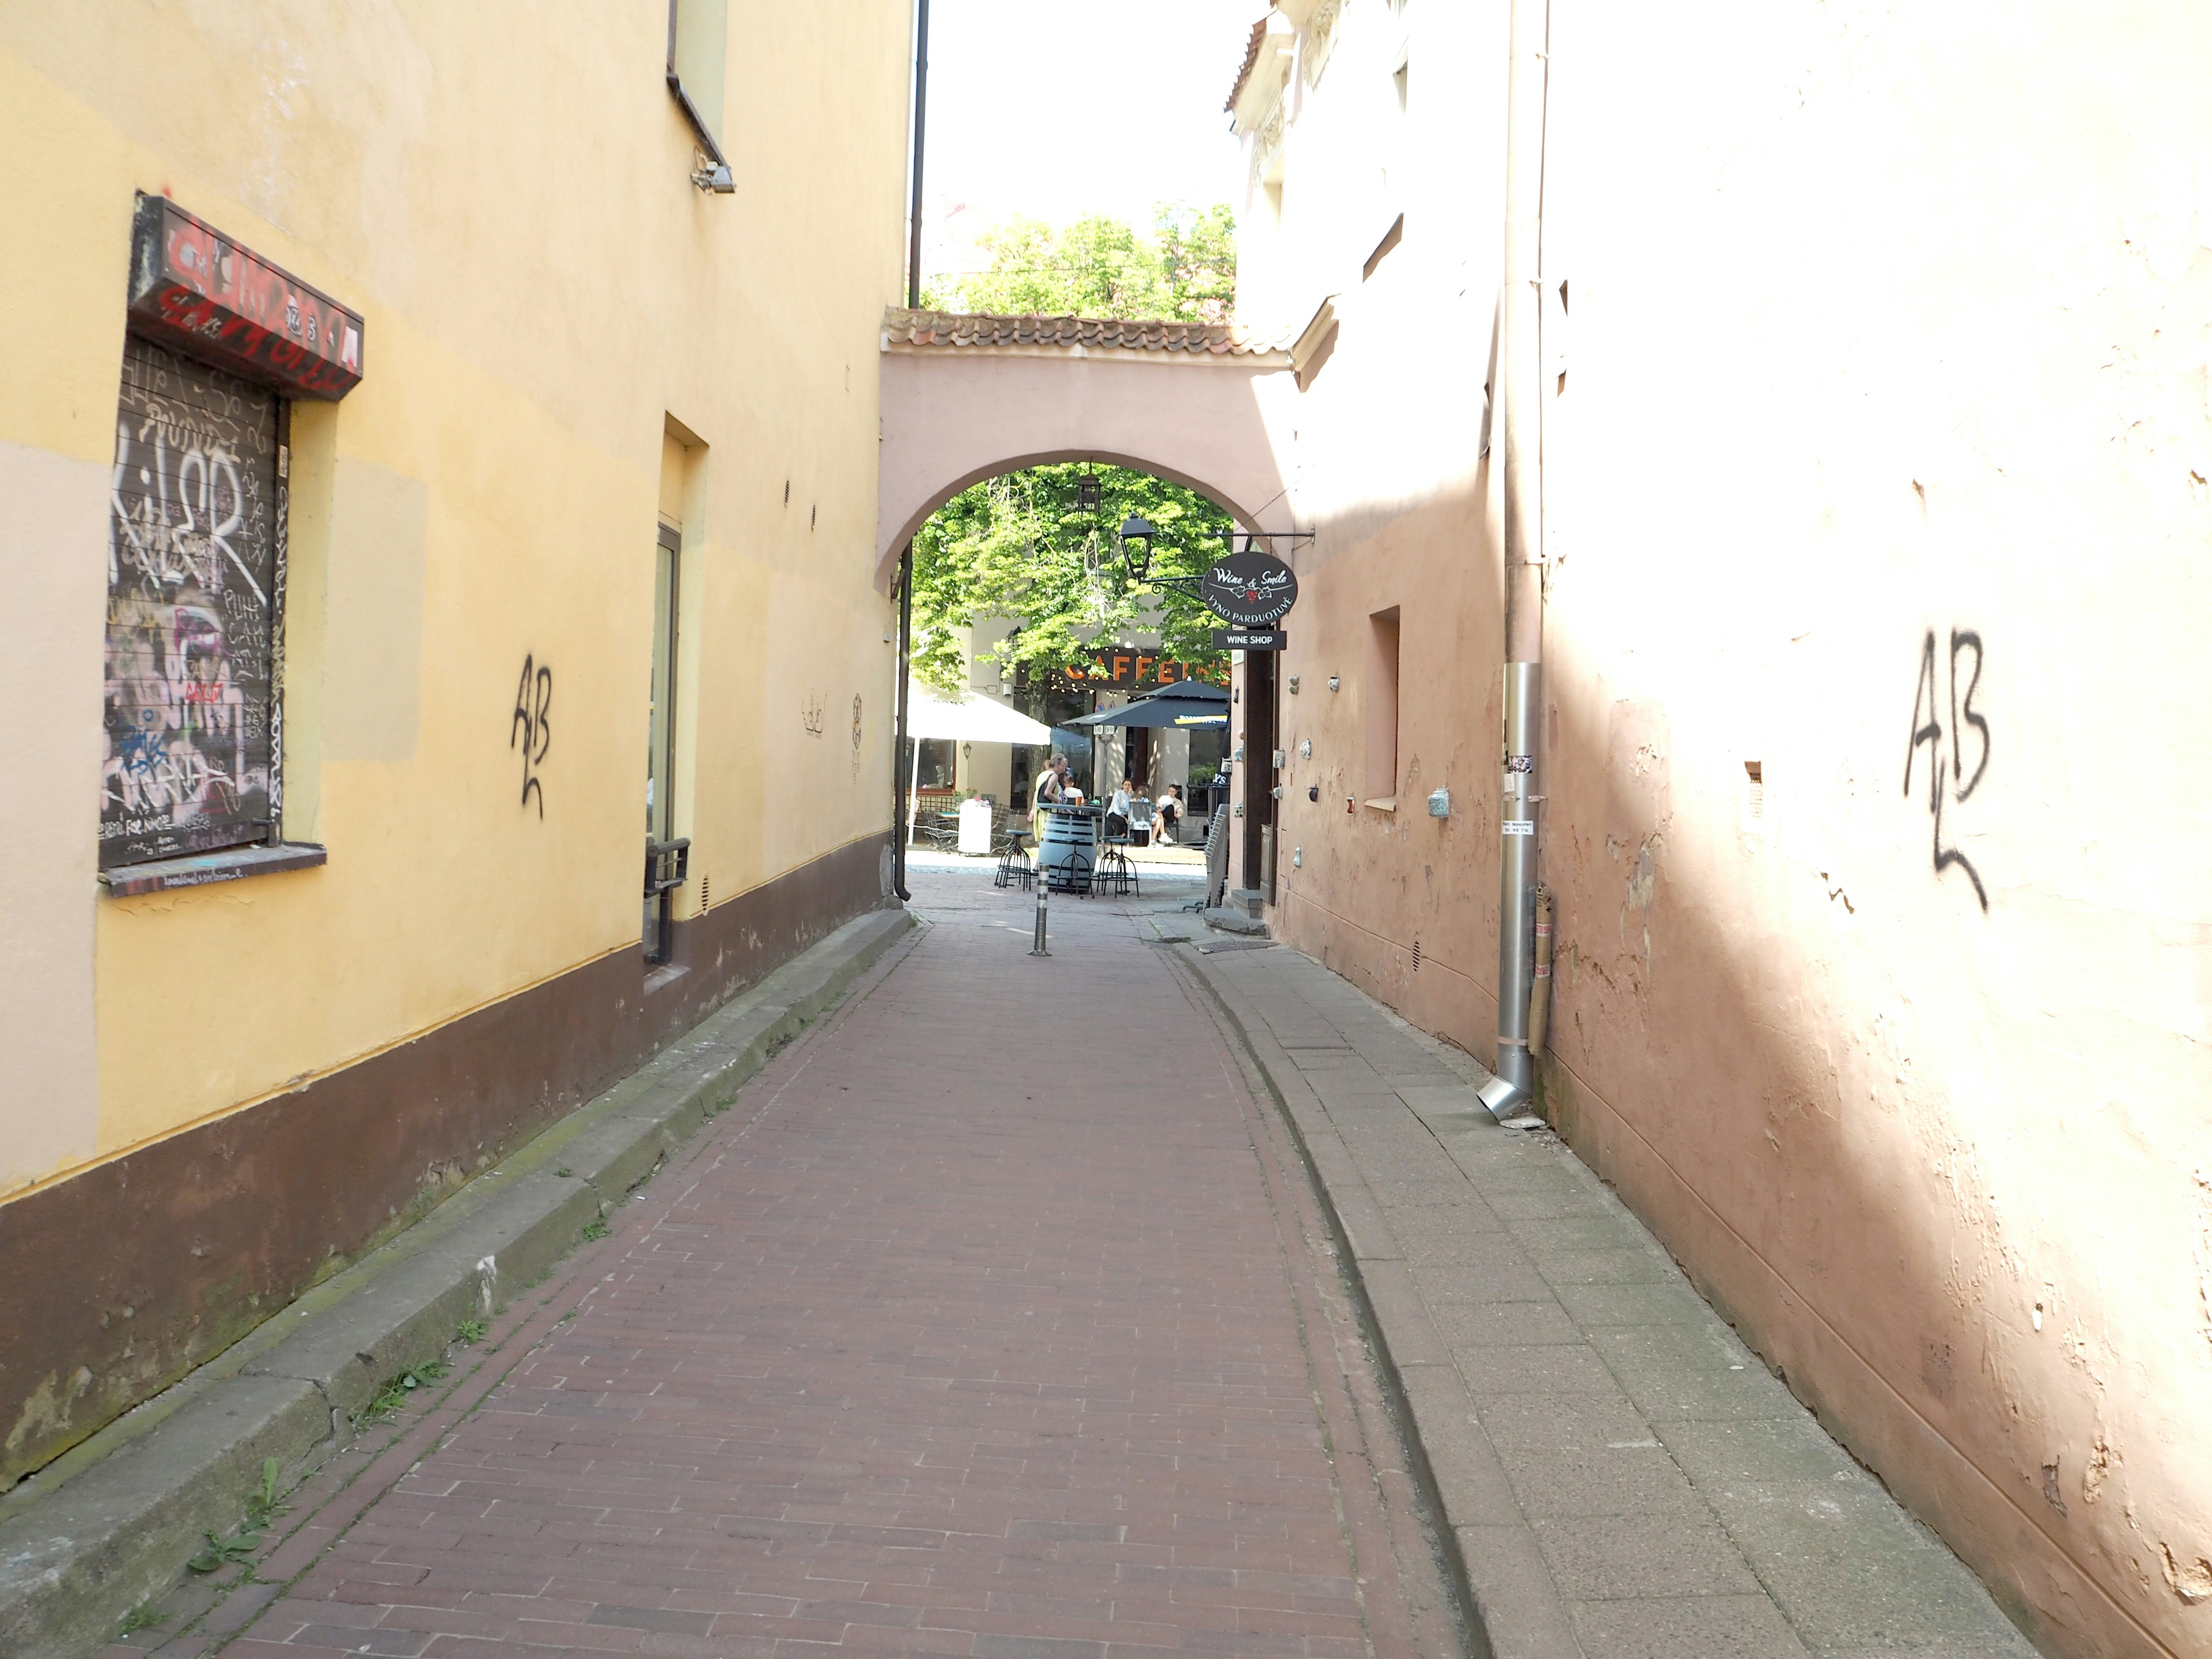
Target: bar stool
(1114, 870)
(1015, 868)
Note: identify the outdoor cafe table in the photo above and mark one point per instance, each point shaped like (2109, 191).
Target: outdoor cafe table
(1068, 850)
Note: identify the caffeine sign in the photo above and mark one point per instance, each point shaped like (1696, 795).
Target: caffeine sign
(1250, 589)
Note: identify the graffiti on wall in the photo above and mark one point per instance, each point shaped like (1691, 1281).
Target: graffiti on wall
(192, 574)
(1966, 738)
(531, 728)
(192, 286)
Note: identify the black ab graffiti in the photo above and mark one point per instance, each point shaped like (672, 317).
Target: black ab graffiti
(532, 727)
(1929, 730)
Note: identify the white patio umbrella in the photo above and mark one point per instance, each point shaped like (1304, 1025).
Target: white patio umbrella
(966, 717)
(970, 717)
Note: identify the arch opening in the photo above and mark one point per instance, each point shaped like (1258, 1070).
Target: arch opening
(887, 563)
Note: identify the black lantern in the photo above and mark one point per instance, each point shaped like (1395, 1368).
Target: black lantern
(1135, 529)
(1088, 496)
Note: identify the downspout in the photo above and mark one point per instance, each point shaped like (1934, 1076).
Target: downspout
(1521, 381)
(899, 830)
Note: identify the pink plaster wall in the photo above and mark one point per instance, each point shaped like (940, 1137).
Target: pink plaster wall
(954, 415)
(1880, 327)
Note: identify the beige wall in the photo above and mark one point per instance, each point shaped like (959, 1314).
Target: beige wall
(1879, 325)
(503, 193)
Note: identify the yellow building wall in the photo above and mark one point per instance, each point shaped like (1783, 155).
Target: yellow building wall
(503, 192)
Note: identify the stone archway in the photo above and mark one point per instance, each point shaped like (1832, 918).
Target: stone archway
(966, 397)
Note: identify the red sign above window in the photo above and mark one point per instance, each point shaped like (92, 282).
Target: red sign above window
(196, 290)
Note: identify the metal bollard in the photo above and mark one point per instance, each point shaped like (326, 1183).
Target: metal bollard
(1044, 888)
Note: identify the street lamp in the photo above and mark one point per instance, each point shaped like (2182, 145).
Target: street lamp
(1088, 495)
(1134, 529)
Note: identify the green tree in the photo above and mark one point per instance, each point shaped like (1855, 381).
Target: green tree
(1184, 271)
(1198, 260)
(1019, 545)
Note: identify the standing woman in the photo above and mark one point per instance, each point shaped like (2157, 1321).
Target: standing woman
(1051, 788)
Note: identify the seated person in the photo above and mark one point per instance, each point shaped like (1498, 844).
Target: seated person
(1117, 812)
(1170, 807)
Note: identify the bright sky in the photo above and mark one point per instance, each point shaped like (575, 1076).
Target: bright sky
(1056, 109)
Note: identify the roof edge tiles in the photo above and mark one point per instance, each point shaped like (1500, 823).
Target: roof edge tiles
(956, 328)
(1251, 56)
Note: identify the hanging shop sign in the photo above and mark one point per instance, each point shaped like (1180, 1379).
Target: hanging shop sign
(1132, 668)
(1250, 589)
(1250, 639)
(195, 289)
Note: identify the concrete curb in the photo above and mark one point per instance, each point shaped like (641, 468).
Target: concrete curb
(112, 1522)
(1508, 1601)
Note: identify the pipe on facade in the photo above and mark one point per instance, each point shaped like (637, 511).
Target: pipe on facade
(899, 829)
(1521, 382)
(1540, 991)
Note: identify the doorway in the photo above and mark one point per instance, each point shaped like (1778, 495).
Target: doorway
(1259, 728)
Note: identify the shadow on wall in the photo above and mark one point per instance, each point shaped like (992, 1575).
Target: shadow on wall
(1737, 1138)
(1373, 874)
(1693, 1065)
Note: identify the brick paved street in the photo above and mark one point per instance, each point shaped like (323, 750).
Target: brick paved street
(994, 1318)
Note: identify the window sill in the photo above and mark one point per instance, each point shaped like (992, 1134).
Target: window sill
(204, 869)
(1386, 804)
(659, 976)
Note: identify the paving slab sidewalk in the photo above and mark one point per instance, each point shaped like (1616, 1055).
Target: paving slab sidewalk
(112, 1522)
(1622, 1477)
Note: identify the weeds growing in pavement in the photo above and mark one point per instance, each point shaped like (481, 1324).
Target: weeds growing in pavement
(595, 1228)
(565, 1173)
(144, 1616)
(393, 1395)
(222, 1552)
(266, 1504)
(263, 1506)
(469, 1332)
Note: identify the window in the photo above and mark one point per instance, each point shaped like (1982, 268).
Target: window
(698, 38)
(1381, 712)
(934, 767)
(194, 581)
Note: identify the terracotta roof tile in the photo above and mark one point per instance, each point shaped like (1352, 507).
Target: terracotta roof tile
(1251, 56)
(954, 328)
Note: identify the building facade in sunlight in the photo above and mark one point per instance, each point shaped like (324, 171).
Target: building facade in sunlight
(1872, 749)
(439, 445)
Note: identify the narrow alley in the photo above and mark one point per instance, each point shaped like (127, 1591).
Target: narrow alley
(994, 1318)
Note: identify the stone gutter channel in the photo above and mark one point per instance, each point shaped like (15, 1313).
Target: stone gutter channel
(110, 1523)
(1610, 1470)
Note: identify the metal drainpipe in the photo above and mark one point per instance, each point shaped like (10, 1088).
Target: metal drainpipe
(899, 830)
(1521, 380)
(898, 754)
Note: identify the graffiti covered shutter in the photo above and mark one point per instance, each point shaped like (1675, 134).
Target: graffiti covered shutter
(192, 578)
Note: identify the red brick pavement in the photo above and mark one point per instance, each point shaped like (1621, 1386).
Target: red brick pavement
(993, 1320)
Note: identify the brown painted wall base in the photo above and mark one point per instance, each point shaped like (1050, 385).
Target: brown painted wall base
(117, 1282)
